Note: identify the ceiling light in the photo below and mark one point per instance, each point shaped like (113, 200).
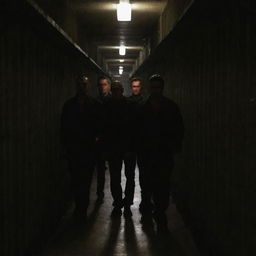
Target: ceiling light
(121, 70)
(122, 50)
(121, 60)
(124, 11)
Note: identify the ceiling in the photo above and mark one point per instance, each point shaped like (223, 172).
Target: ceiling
(97, 20)
(100, 34)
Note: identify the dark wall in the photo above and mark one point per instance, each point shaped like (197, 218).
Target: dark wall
(38, 68)
(209, 65)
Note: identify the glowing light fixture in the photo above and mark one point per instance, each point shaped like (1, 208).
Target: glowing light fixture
(121, 70)
(121, 60)
(124, 11)
(122, 50)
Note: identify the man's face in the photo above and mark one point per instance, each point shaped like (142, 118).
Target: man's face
(155, 88)
(136, 87)
(82, 85)
(104, 87)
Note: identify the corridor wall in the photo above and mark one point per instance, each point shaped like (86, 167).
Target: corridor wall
(38, 66)
(209, 65)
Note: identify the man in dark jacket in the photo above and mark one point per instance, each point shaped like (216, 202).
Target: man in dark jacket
(160, 138)
(79, 129)
(104, 86)
(135, 101)
(116, 137)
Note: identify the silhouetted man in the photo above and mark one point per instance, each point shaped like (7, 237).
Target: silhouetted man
(135, 101)
(79, 129)
(160, 138)
(104, 86)
(117, 140)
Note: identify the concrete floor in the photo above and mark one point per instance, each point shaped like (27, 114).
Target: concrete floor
(104, 236)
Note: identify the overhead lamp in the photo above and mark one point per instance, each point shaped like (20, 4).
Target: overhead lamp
(121, 70)
(122, 50)
(124, 11)
(121, 60)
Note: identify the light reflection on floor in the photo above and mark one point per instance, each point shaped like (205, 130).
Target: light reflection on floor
(104, 236)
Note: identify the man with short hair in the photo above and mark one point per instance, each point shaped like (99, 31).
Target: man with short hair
(136, 87)
(117, 139)
(79, 129)
(104, 86)
(134, 101)
(161, 134)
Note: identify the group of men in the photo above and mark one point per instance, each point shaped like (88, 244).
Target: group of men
(114, 128)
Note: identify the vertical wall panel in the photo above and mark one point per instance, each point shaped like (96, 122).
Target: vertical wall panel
(38, 70)
(208, 63)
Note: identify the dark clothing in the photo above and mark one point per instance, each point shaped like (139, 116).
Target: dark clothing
(81, 177)
(101, 168)
(115, 166)
(116, 136)
(103, 99)
(80, 124)
(160, 137)
(101, 148)
(161, 126)
(129, 165)
(135, 102)
(117, 140)
(154, 176)
(79, 129)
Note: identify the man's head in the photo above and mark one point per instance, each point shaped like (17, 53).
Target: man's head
(117, 90)
(104, 85)
(136, 86)
(156, 85)
(82, 85)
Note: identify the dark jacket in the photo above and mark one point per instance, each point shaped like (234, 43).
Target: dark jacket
(161, 126)
(103, 99)
(80, 125)
(101, 144)
(136, 100)
(135, 103)
(117, 125)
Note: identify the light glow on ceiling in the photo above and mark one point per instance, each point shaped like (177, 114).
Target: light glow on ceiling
(122, 50)
(124, 11)
(121, 70)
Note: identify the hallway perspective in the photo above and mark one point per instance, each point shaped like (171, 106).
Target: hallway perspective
(204, 51)
(106, 236)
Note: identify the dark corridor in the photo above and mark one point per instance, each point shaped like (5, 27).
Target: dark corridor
(206, 53)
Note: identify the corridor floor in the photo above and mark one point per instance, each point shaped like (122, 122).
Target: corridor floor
(104, 236)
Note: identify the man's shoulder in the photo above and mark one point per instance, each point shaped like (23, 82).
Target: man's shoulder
(136, 100)
(103, 99)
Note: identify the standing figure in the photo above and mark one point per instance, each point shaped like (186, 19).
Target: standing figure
(135, 101)
(161, 137)
(104, 86)
(79, 129)
(117, 140)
